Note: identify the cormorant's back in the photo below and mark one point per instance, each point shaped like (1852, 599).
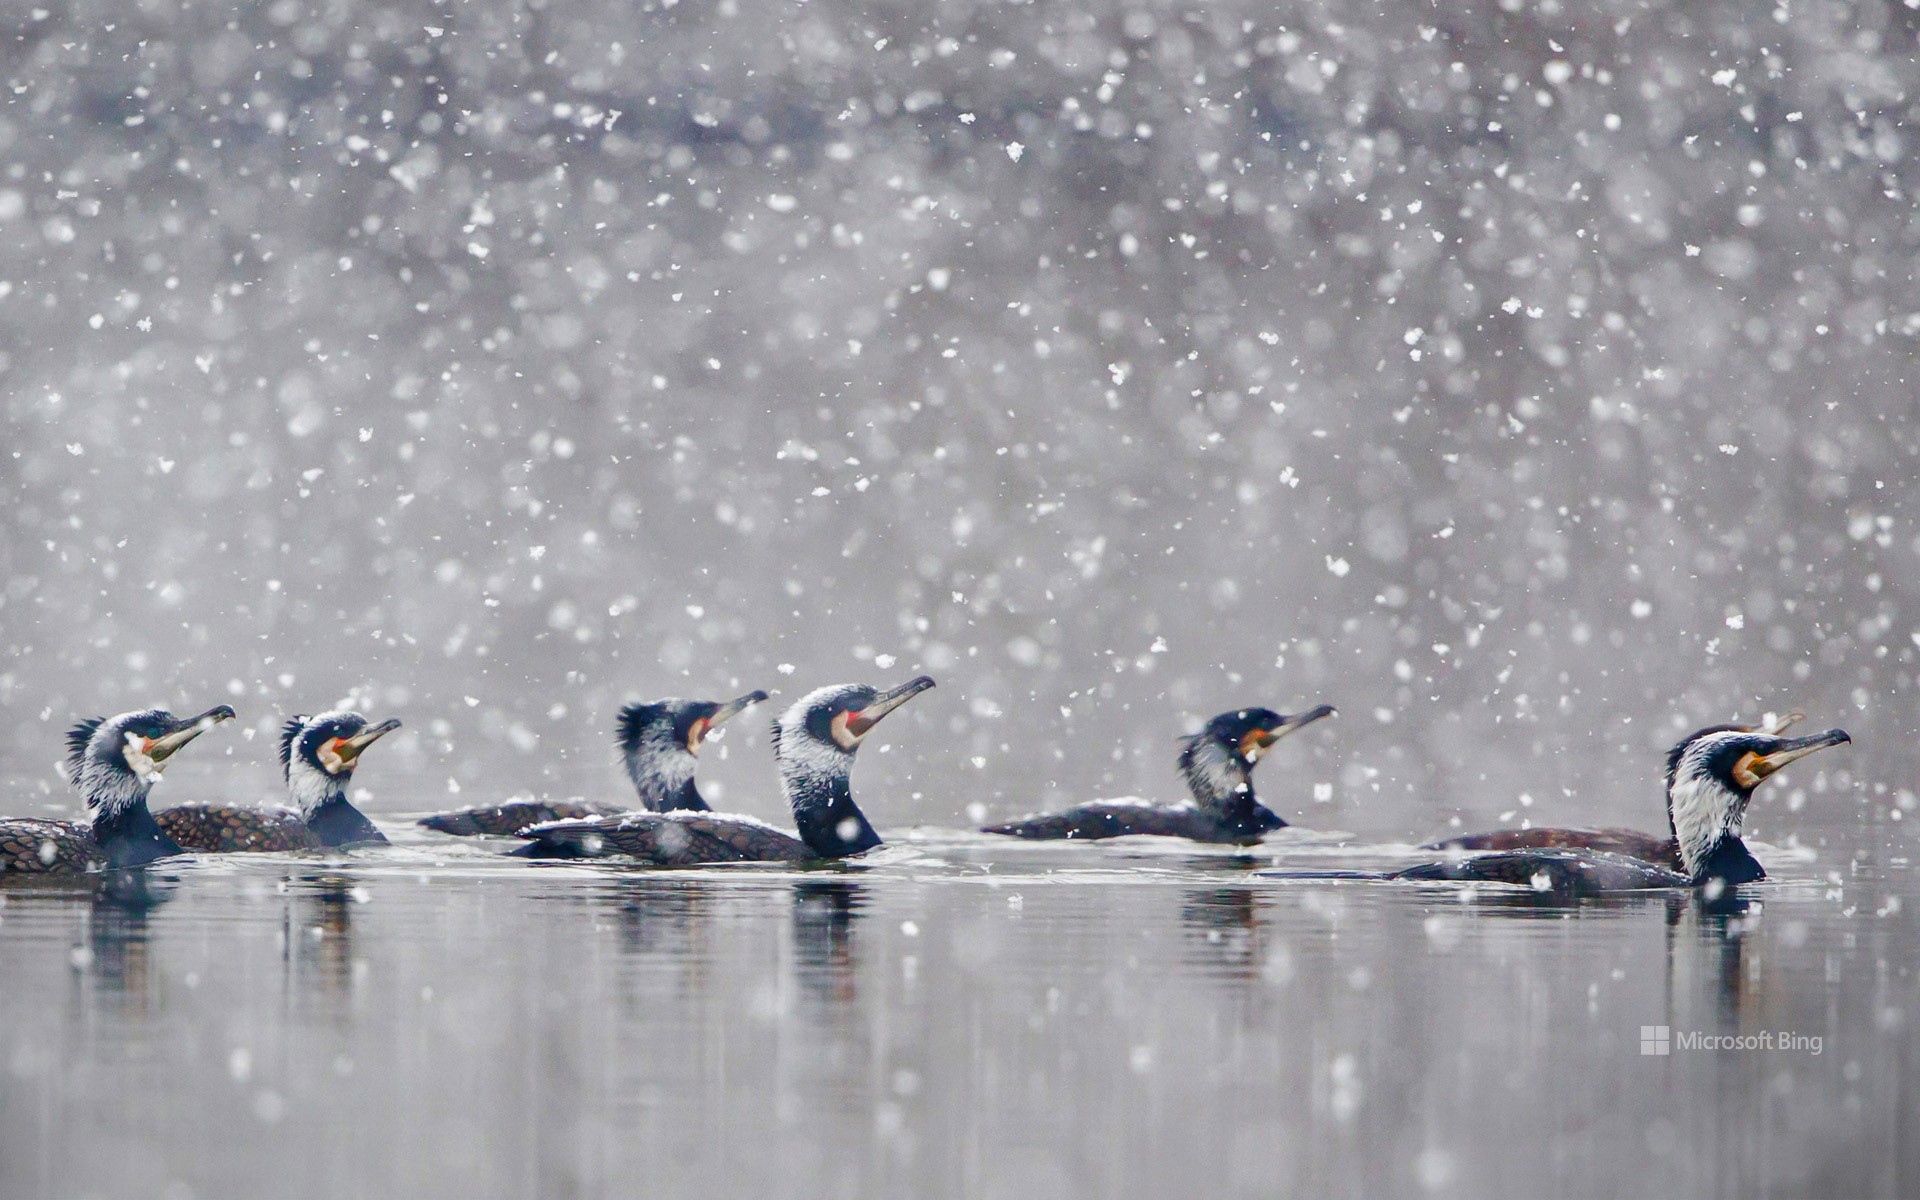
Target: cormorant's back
(1123, 818)
(506, 820)
(670, 839)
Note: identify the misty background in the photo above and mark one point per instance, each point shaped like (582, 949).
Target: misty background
(1534, 384)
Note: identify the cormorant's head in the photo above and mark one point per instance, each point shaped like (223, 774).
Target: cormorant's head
(1216, 761)
(1711, 776)
(114, 760)
(318, 754)
(679, 725)
(1250, 732)
(659, 741)
(830, 723)
(814, 742)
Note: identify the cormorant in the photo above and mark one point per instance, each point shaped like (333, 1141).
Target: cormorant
(1217, 764)
(1711, 776)
(814, 743)
(1630, 842)
(317, 757)
(113, 762)
(658, 744)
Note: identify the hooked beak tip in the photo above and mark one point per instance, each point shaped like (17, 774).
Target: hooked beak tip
(731, 709)
(351, 747)
(164, 748)
(887, 701)
(1317, 713)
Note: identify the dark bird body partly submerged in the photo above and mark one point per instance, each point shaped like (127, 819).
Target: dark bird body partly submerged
(1631, 843)
(114, 762)
(814, 745)
(509, 818)
(317, 758)
(659, 747)
(1216, 762)
(1711, 777)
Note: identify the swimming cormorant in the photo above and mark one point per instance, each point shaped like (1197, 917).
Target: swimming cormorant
(659, 743)
(1217, 764)
(317, 757)
(1631, 842)
(113, 762)
(1711, 776)
(814, 743)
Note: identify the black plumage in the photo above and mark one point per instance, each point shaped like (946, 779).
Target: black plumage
(1217, 764)
(1710, 778)
(114, 763)
(318, 755)
(814, 744)
(659, 746)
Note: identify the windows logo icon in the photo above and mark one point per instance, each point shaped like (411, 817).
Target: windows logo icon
(1655, 1039)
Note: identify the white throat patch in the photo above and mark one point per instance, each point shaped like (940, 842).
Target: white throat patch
(309, 787)
(659, 765)
(1703, 809)
(108, 787)
(144, 768)
(1213, 775)
(799, 753)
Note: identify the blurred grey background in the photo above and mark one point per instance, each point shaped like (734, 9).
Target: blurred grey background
(1532, 385)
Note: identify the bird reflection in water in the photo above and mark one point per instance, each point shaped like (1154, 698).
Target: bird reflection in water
(664, 928)
(1226, 922)
(319, 933)
(663, 917)
(117, 954)
(824, 912)
(1715, 977)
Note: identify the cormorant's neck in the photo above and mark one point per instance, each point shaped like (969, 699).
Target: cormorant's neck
(129, 835)
(662, 774)
(313, 790)
(1704, 814)
(1261, 819)
(1730, 862)
(685, 798)
(823, 808)
(1222, 784)
(338, 823)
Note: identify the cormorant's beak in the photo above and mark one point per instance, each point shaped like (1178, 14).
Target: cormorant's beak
(1288, 725)
(348, 750)
(189, 728)
(733, 708)
(1749, 771)
(858, 723)
(703, 728)
(1781, 723)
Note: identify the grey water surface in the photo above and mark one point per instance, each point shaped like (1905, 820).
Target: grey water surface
(960, 1015)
